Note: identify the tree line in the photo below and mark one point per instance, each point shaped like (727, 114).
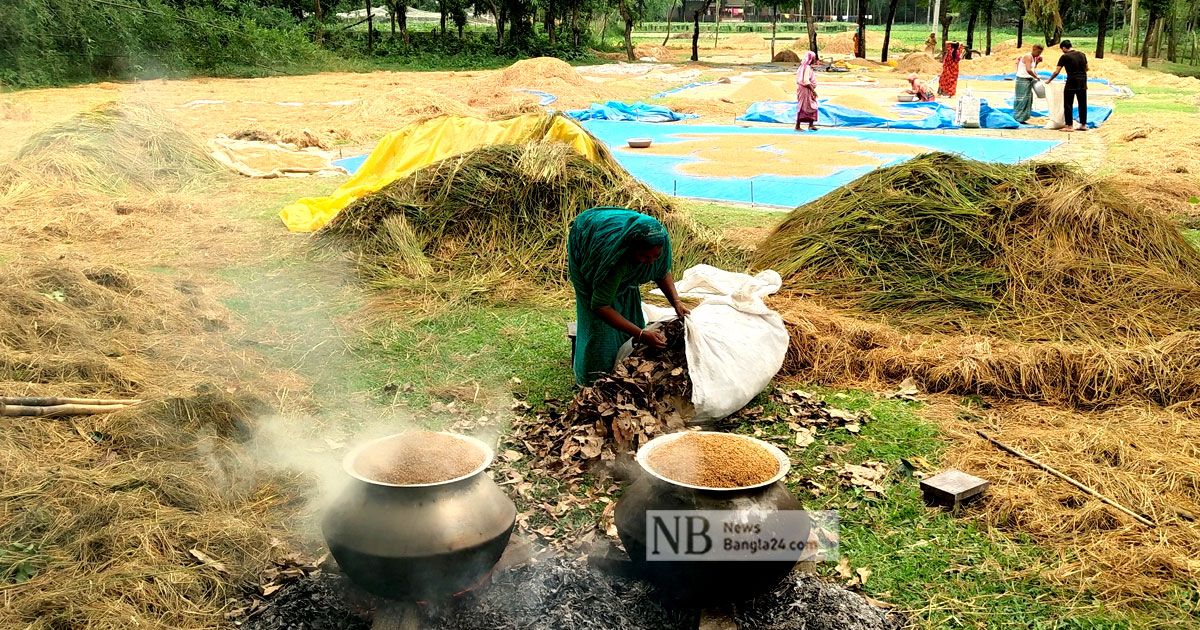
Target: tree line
(57, 41)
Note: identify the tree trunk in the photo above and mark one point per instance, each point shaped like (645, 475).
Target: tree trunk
(370, 29)
(575, 25)
(1102, 27)
(696, 35)
(1020, 25)
(1149, 33)
(1158, 37)
(861, 51)
(548, 22)
(1131, 43)
(1172, 36)
(887, 30)
(627, 18)
(988, 16)
(812, 26)
(936, 16)
(717, 30)
(320, 34)
(392, 18)
(500, 19)
(774, 19)
(402, 18)
(670, 11)
(946, 20)
(972, 17)
(442, 16)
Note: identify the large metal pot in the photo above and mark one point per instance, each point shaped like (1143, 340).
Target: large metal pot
(421, 541)
(702, 580)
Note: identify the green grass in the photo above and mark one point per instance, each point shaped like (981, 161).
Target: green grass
(944, 570)
(1157, 99)
(1193, 237)
(484, 348)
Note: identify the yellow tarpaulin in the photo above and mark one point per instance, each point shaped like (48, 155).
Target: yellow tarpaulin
(404, 151)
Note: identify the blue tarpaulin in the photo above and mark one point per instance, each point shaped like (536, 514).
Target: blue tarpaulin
(639, 112)
(666, 93)
(935, 115)
(544, 98)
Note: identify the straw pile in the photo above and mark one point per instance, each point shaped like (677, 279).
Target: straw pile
(843, 43)
(1032, 251)
(1145, 459)
(833, 348)
(113, 148)
(142, 517)
(496, 218)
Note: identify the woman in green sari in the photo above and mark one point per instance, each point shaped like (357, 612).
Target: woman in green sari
(610, 253)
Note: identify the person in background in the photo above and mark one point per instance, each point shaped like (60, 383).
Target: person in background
(917, 87)
(806, 92)
(610, 253)
(1076, 65)
(931, 43)
(948, 82)
(1026, 77)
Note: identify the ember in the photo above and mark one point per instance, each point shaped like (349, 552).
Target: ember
(714, 460)
(418, 457)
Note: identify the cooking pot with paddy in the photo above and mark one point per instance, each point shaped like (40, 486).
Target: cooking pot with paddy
(419, 541)
(702, 580)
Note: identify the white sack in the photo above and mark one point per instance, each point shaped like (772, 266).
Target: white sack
(1054, 101)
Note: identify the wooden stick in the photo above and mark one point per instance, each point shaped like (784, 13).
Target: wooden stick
(56, 411)
(45, 401)
(1078, 484)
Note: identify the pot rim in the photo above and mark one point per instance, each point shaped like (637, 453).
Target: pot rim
(348, 461)
(643, 460)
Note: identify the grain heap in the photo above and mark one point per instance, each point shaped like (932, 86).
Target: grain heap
(418, 457)
(714, 460)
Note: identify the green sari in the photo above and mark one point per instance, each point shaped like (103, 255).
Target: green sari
(603, 275)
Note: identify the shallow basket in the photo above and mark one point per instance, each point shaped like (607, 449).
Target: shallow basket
(639, 143)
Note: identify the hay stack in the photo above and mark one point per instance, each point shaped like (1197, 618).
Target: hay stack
(112, 148)
(499, 216)
(102, 513)
(786, 55)
(410, 105)
(842, 43)
(531, 73)
(1033, 251)
(761, 89)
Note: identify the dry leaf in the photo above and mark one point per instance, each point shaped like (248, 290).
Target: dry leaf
(853, 427)
(804, 437)
(864, 574)
(269, 589)
(208, 560)
(843, 568)
(510, 455)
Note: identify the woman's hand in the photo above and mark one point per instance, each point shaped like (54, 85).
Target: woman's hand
(681, 311)
(653, 338)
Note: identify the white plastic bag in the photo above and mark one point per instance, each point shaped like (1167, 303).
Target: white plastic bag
(1054, 101)
(735, 345)
(967, 114)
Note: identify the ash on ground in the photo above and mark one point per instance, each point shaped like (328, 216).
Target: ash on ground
(804, 602)
(560, 594)
(318, 601)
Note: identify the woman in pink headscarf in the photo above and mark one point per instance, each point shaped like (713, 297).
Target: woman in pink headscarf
(806, 93)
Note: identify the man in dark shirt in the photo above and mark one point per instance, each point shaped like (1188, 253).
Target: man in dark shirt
(1076, 66)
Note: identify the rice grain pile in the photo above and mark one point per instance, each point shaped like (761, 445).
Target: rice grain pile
(713, 460)
(419, 457)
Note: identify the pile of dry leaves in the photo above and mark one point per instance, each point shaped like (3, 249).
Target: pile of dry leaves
(648, 394)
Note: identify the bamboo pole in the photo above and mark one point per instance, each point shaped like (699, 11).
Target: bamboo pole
(1071, 480)
(56, 411)
(45, 401)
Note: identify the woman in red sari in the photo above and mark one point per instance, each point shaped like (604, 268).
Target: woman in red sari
(948, 82)
(806, 93)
